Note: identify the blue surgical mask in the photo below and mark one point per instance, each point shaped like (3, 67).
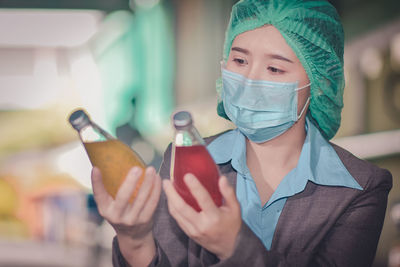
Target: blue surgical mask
(262, 110)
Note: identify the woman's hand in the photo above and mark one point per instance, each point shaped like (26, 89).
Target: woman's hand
(131, 221)
(214, 228)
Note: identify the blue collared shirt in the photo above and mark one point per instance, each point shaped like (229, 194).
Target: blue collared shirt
(318, 163)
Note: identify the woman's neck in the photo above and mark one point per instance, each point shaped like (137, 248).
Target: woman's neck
(271, 161)
(281, 151)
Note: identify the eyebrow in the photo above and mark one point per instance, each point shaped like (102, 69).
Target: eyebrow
(241, 50)
(273, 56)
(279, 57)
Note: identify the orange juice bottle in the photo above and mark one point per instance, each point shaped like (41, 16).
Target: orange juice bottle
(110, 155)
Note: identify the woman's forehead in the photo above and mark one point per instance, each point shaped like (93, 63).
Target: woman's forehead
(266, 39)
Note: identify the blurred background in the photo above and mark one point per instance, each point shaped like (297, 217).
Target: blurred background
(130, 64)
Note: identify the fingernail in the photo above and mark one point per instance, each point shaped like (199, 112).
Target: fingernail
(95, 171)
(150, 170)
(188, 178)
(136, 171)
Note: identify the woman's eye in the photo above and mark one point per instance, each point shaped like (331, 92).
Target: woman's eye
(239, 61)
(275, 70)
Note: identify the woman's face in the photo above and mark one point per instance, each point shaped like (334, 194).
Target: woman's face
(263, 54)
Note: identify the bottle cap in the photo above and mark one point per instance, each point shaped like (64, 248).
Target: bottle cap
(79, 119)
(182, 119)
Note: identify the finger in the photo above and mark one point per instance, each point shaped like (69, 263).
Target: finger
(151, 204)
(179, 209)
(143, 194)
(200, 193)
(100, 194)
(126, 189)
(174, 197)
(228, 193)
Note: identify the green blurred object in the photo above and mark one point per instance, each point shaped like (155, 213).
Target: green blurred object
(137, 70)
(314, 32)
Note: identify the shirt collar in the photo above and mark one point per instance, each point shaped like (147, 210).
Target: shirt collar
(318, 162)
(230, 146)
(326, 166)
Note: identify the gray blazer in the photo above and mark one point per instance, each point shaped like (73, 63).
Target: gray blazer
(321, 226)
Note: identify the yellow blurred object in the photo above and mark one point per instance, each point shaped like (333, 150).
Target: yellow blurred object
(33, 129)
(8, 198)
(49, 183)
(13, 228)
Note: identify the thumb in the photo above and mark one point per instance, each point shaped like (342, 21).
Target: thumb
(99, 192)
(228, 193)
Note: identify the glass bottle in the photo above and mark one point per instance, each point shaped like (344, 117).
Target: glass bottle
(110, 155)
(190, 155)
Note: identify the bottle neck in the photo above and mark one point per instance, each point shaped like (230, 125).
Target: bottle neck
(94, 133)
(188, 136)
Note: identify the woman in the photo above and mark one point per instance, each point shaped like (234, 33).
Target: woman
(290, 196)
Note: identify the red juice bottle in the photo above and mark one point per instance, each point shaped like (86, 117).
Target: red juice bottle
(190, 155)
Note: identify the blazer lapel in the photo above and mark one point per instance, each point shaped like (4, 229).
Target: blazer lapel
(227, 170)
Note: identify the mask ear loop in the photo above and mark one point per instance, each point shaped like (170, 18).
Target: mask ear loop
(304, 108)
(305, 105)
(305, 86)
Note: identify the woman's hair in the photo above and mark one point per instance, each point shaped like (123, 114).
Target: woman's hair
(314, 31)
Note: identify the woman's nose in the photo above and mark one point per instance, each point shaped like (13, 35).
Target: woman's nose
(254, 72)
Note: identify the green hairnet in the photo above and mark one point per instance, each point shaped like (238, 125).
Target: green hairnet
(313, 30)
